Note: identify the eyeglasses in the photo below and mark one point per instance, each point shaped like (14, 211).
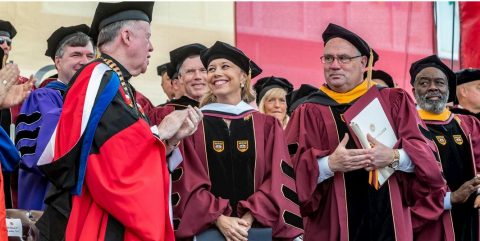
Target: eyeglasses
(3, 40)
(344, 59)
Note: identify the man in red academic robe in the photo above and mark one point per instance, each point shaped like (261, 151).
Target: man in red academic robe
(457, 138)
(336, 198)
(105, 153)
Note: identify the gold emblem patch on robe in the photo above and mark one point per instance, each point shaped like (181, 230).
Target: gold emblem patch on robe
(242, 146)
(441, 140)
(218, 146)
(458, 139)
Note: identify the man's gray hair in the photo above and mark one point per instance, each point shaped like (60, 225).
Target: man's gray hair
(78, 39)
(109, 32)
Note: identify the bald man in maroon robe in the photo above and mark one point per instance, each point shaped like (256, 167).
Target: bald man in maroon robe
(337, 201)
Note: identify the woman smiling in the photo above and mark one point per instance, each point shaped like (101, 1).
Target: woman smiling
(236, 172)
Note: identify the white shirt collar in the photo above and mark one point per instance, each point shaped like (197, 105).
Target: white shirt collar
(227, 108)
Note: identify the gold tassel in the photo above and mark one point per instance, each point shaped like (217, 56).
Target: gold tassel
(97, 53)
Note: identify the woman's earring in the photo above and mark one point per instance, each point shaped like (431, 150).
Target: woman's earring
(242, 85)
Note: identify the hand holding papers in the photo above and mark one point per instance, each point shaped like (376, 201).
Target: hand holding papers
(367, 116)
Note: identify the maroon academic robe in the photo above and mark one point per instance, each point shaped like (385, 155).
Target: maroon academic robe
(157, 114)
(470, 126)
(416, 199)
(273, 202)
(144, 102)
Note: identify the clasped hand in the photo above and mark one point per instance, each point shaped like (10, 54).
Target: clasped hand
(345, 160)
(179, 124)
(233, 228)
(463, 192)
(12, 93)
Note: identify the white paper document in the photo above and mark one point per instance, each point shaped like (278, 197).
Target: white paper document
(14, 227)
(373, 120)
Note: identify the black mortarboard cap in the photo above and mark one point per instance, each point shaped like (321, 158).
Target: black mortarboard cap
(380, 74)
(162, 69)
(467, 75)
(178, 55)
(267, 83)
(224, 50)
(297, 97)
(62, 34)
(335, 31)
(375, 57)
(171, 71)
(7, 28)
(434, 61)
(109, 12)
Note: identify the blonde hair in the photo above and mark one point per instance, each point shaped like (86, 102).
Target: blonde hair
(271, 93)
(245, 95)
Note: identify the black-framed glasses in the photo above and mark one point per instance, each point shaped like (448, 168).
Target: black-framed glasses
(344, 59)
(3, 40)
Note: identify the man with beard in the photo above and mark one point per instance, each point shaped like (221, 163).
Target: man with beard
(458, 142)
(468, 92)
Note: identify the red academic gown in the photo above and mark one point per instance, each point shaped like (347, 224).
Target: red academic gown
(273, 201)
(470, 129)
(123, 184)
(415, 200)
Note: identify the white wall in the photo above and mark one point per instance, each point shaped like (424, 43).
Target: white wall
(174, 24)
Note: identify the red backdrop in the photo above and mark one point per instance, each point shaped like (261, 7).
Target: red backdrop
(284, 38)
(469, 34)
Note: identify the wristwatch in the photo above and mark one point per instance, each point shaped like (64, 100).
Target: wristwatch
(396, 159)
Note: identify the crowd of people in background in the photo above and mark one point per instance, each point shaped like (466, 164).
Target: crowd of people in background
(227, 156)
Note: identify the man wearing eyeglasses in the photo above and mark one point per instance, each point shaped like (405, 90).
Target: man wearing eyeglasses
(192, 78)
(9, 115)
(336, 199)
(7, 32)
